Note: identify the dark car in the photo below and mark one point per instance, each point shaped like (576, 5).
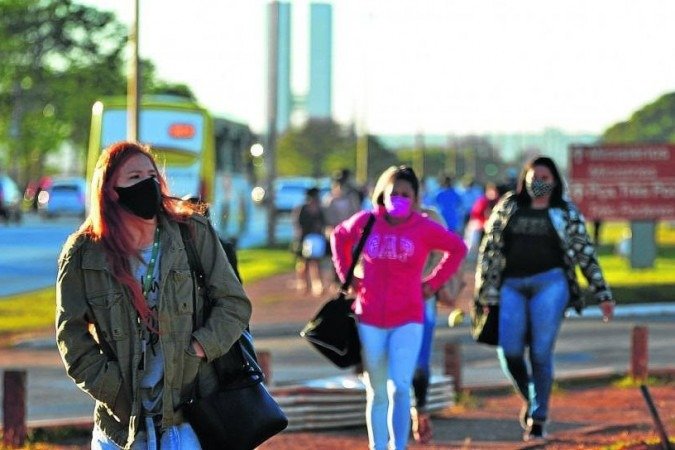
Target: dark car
(10, 200)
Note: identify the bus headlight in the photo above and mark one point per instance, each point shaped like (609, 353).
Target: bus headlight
(258, 194)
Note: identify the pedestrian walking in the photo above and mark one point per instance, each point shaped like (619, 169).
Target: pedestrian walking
(421, 421)
(310, 243)
(480, 212)
(124, 305)
(534, 240)
(390, 292)
(470, 191)
(450, 205)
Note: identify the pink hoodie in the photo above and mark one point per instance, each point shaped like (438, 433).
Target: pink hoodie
(390, 293)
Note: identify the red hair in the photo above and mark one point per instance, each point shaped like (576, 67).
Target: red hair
(108, 222)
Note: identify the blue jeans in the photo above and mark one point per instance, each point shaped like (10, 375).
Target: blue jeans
(423, 369)
(389, 358)
(177, 437)
(530, 314)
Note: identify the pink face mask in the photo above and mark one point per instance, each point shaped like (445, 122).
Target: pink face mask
(397, 206)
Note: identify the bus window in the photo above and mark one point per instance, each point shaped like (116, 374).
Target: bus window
(201, 156)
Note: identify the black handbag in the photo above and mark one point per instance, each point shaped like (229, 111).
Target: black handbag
(485, 323)
(332, 331)
(242, 414)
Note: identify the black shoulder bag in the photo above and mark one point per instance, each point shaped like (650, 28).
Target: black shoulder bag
(485, 323)
(242, 414)
(333, 331)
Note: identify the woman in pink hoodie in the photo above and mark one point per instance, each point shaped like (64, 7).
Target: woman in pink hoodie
(390, 296)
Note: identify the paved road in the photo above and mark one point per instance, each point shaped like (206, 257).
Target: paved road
(28, 252)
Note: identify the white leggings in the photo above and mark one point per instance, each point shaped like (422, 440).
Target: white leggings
(389, 359)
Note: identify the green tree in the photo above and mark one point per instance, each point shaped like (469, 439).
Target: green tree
(379, 158)
(316, 149)
(57, 57)
(154, 86)
(654, 122)
(322, 147)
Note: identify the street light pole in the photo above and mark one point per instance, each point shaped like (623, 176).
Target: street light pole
(133, 80)
(362, 156)
(272, 100)
(418, 155)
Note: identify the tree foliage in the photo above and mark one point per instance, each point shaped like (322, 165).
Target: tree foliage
(321, 147)
(654, 122)
(468, 158)
(57, 57)
(316, 149)
(380, 158)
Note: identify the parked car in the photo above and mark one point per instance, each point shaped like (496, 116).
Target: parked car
(289, 192)
(65, 197)
(10, 200)
(33, 189)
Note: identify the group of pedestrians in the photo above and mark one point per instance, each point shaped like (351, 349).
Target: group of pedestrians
(127, 306)
(532, 239)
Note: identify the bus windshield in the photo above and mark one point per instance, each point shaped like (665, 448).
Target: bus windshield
(179, 130)
(200, 156)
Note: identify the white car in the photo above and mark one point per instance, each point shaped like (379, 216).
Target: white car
(10, 200)
(289, 192)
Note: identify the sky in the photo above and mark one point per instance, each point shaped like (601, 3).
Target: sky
(431, 66)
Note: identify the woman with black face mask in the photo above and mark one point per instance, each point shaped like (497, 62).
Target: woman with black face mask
(124, 315)
(534, 239)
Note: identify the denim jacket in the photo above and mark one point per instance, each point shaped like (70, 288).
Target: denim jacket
(577, 249)
(99, 335)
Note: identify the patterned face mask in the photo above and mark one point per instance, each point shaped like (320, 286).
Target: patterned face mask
(538, 188)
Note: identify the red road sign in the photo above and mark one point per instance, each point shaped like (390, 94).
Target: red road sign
(626, 182)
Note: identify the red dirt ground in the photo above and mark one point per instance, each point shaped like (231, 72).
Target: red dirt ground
(608, 415)
(613, 416)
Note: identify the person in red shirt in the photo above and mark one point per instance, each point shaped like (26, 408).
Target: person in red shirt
(480, 212)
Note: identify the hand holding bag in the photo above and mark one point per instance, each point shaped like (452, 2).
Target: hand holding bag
(333, 331)
(242, 414)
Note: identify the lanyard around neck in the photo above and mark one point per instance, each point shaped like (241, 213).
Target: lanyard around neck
(147, 279)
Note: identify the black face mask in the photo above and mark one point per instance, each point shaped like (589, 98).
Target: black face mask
(141, 199)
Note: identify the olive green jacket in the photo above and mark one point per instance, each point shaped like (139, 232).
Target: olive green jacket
(104, 362)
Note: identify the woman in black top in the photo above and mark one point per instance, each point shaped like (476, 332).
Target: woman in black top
(534, 240)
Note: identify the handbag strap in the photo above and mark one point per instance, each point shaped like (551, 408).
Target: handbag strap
(245, 341)
(196, 269)
(245, 350)
(357, 252)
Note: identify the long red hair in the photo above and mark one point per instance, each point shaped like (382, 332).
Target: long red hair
(109, 223)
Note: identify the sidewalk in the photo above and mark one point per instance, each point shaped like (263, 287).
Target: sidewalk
(279, 307)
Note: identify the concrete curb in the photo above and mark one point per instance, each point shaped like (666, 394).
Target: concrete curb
(630, 310)
(293, 329)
